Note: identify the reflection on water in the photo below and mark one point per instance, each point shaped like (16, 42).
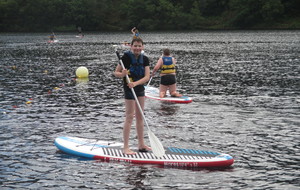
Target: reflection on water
(136, 177)
(82, 85)
(167, 109)
(82, 81)
(245, 90)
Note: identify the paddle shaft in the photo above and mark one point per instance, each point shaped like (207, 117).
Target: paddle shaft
(149, 81)
(133, 92)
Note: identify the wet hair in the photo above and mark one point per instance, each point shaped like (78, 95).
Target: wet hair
(166, 52)
(137, 40)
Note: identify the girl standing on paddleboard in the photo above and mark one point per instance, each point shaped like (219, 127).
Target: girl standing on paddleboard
(166, 64)
(138, 70)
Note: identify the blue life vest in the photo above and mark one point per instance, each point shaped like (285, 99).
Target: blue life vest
(167, 60)
(137, 69)
(136, 35)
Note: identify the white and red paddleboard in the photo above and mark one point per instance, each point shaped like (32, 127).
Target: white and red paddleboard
(153, 93)
(52, 41)
(113, 151)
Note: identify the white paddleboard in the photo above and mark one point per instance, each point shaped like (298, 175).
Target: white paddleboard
(153, 93)
(113, 151)
(52, 41)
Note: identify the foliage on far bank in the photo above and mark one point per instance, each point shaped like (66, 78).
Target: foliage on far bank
(120, 15)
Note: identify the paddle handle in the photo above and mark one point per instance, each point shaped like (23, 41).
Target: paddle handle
(133, 92)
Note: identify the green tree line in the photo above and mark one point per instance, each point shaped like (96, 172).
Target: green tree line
(120, 15)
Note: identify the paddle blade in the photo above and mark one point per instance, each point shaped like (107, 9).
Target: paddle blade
(157, 148)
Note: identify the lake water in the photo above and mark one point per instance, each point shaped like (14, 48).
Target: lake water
(246, 91)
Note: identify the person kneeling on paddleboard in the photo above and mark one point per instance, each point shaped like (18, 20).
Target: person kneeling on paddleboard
(137, 68)
(166, 64)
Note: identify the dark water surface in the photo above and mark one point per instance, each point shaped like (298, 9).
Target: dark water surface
(246, 90)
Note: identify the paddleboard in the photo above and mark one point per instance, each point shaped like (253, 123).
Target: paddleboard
(113, 151)
(153, 93)
(52, 41)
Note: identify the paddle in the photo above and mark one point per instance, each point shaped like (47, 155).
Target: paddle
(149, 82)
(157, 148)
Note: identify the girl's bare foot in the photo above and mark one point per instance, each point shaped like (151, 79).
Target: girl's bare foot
(129, 152)
(162, 94)
(176, 94)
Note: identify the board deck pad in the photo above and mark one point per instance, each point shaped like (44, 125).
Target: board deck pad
(113, 151)
(153, 93)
